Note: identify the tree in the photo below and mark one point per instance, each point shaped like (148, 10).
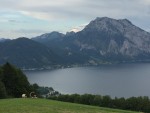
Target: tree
(2, 86)
(2, 90)
(22, 85)
(15, 81)
(87, 99)
(97, 100)
(1, 74)
(106, 101)
(9, 78)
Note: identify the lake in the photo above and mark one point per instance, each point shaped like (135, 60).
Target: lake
(124, 80)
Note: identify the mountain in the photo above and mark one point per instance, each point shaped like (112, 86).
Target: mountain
(26, 53)
(118, 37)
(3, 39)
(103, 40)
(59, 43)
(48, 37)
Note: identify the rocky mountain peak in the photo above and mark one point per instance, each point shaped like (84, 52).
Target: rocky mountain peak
(116, 36)
(107, 20)
(103, 19)
(114, 26)
(104, 39)
(106, 24)
(125, 21)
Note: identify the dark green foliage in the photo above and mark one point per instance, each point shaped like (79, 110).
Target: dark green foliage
(2, 86)
(120, 103)
(134, 103)
(13, 82)
(86, 99)
(43, 91)
(1, 74)
(9, 74)
(106, 101)
(138, 104)
(2, 90)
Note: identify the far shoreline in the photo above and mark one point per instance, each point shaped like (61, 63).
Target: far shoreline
(54, 67)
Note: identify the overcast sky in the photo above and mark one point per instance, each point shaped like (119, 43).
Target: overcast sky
(29, 18)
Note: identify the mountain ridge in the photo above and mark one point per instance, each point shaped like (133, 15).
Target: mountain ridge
(105, 38)
(103, 41)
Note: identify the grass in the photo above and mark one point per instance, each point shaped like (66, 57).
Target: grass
(49, 106)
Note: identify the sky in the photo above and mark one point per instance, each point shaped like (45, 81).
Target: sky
(30, 18)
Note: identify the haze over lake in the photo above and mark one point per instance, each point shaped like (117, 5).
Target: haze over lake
(124, 80)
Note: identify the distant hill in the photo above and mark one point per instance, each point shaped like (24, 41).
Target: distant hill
(26, 53)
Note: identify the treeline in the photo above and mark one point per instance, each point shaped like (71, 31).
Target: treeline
(13, 82)
(45, 91)
(141, 104)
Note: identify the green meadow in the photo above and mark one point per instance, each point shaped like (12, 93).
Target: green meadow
(28, 105)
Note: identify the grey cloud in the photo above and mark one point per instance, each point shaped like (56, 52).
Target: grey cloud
(13, 21)
(93, 8)
(83, 8)
(138, 11)
(8, 4)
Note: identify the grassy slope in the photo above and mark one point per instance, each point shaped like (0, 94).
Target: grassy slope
(49, 106)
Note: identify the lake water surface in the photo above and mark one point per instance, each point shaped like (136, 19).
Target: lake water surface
(115, 80)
